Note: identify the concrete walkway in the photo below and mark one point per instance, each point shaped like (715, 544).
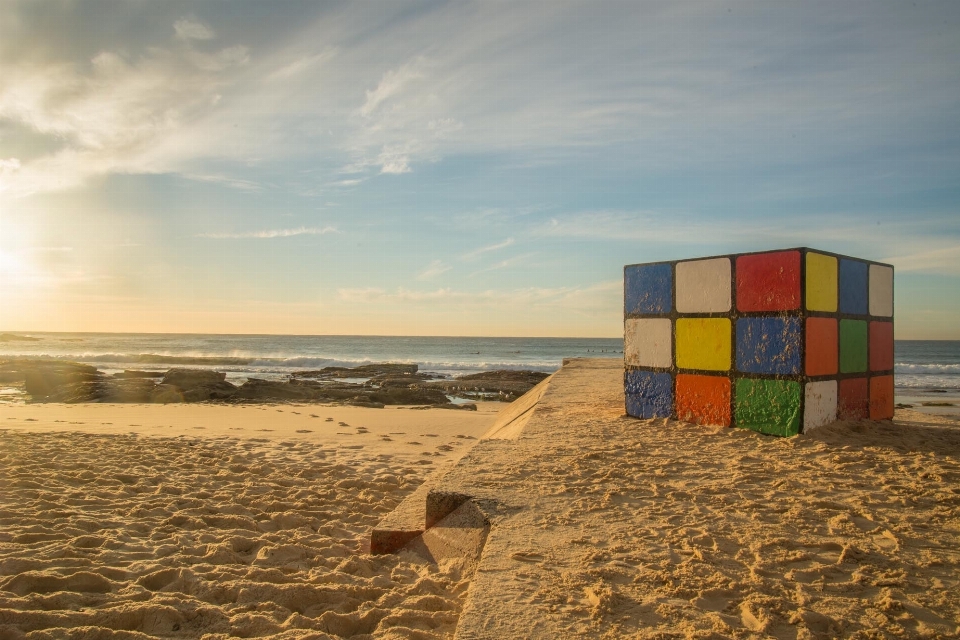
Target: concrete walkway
(599, 525)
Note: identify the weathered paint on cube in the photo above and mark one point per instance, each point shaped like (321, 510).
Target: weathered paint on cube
(881, 397)
(822, 346)
(881, 290)
(703, 343)
(648, 394)
(853, 287)
(853, 346)
(775, 341)
(648, 342)
(853, 398)
(881, 346)
(768, 281)
(703, 399)
(821, 280)
(703, 286)
(768, 406)
(648, 289)
(819, 404)
(769, 345)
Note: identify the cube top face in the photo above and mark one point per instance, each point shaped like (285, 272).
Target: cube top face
(777, 341)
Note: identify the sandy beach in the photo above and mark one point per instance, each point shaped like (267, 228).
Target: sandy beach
(188, 521)
(214, 521)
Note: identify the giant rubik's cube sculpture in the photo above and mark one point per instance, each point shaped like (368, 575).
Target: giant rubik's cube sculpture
(777, 342)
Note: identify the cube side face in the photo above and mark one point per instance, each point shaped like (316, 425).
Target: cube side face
(648, 394)
(772, 345)
(768, 406)
(821, 282)
(778, 342)
(648, 289)
(768, 282)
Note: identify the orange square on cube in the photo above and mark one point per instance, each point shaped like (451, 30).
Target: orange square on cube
(881, 398)
(822, 347)
(703, 399)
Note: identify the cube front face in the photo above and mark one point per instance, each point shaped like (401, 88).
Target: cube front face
(776, 342)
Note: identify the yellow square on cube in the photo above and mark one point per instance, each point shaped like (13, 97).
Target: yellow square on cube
(821, 282)
(703, 343)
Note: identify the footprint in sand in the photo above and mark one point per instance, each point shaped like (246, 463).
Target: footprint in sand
(313, 415)
(343, 433)
(304, 431)
(445, 447)
(199, 427)
(386, 438)
(414, 442)
(29, 419)
(463, 437)
(527, 556)
(398, 433)
(362, 430)
(429, 435)
(343, 424)
(329, 420)
(264, 429)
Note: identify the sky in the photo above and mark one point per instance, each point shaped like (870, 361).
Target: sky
(460, 168)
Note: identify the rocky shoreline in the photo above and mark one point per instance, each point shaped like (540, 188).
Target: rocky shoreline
(379, 385)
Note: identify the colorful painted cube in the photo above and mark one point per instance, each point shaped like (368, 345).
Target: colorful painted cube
(777, 342)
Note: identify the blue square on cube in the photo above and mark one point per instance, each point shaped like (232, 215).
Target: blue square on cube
(770, 345)
(648, 288)
(648, 394)
(853, 286)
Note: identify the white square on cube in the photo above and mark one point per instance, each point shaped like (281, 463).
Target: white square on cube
(703, 286)
(648, 342)
(819, 404)
(881, 290)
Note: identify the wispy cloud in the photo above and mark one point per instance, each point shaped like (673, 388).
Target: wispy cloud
(476, 253)
(505, 264)
(188, 29)
(938, 260)
(434, 269)
(271, 233)
(598, 298)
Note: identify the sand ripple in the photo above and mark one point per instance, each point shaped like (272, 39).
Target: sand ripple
(126, 537)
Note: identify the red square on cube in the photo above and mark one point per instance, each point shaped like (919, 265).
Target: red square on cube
(822, 347)
(852, 399)
(881, 346)
(703, 399)
(768, 281)
(881, 397)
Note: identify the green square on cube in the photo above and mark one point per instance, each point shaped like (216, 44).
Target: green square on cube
(853, 346)
(768, 406)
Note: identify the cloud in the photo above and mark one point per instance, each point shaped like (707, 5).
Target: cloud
(505, 264)
(391, 84)
(476, 253)
(270, 233)
(944, 260)
(595, 299)
(188, 29)
(434, 269)
(302, 65)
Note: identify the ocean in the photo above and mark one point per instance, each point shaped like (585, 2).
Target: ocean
(921, 365)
